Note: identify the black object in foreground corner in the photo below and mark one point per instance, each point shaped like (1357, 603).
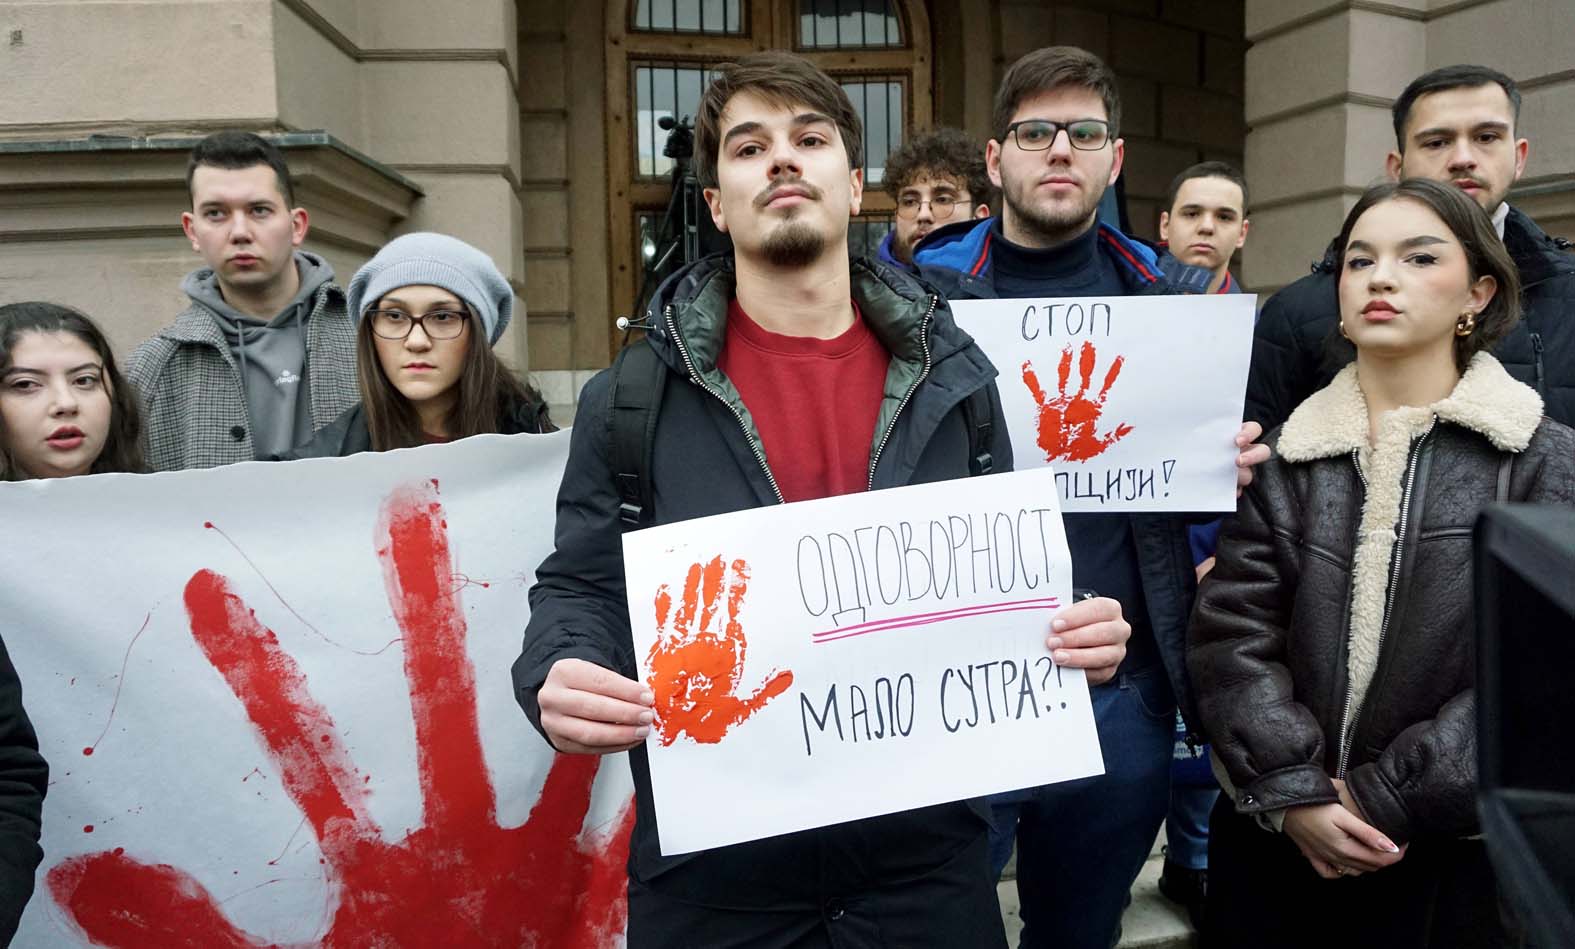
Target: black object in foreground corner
(1525, 595)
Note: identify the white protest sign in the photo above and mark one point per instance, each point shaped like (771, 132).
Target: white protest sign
(277, 707)
(860, 655)
(1136, 401)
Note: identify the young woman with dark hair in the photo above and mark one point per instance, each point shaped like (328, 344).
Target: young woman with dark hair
(1332, 645)
(429, 308)
(65, 409)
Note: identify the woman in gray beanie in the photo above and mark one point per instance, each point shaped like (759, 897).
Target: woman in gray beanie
(428, 310)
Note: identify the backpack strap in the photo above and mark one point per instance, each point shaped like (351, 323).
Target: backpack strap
(979, 416)
(638, 378)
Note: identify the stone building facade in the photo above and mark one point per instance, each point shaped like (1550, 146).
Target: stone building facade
(526, 126)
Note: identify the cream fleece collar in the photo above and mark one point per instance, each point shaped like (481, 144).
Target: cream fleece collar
(1333, 421)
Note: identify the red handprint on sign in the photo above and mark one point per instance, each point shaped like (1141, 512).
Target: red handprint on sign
(460, 879)
(695, 670)
(1067, 422)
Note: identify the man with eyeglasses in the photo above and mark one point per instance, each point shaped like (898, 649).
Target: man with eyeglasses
(1080, 845)
(937, 180)
(265, 354)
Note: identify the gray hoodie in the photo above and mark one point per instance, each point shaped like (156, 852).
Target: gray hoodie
(271, 356)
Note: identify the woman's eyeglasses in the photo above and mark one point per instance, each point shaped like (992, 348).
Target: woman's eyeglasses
(397, 324)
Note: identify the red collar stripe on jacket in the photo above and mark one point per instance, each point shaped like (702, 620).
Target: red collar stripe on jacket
(984, 256)
(1137, 264)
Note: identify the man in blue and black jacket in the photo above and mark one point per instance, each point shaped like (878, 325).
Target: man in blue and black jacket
(1081, 844)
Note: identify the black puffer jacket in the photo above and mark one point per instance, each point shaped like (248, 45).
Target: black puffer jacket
(1340, 604)
(1290, 358)
(708, 459)
(348, 435)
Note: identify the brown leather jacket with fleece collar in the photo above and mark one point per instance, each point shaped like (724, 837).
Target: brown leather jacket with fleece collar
(1334, 637)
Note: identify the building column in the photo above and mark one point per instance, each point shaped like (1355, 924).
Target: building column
(1319, 87)
(1321, 78)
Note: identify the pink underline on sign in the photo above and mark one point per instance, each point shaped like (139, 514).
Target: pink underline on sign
(927, 619)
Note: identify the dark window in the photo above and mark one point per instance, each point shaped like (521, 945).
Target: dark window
(879, 104)
(662, 89)
(848, 24)
(865, 234)
(688, 16)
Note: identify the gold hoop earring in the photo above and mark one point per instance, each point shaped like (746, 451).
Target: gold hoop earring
(1343, 333)
(1466, 323)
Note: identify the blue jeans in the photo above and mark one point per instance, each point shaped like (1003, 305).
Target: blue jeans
(1081, 844)
(1187, 826)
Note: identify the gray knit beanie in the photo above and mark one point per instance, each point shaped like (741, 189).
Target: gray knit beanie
(435, 260)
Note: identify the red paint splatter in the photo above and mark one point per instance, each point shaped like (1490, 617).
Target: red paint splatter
(460, 878)
(286, 603)
(87, 828)
(1067, 423)
(460, 581)
(120, 681)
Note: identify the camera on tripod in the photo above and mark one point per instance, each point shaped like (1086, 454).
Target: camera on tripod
(680, 145)
(685, 232)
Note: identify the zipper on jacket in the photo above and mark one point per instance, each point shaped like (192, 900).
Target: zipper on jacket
(1348, 715)
(1536, 348)
(924, 343)
(694, 376)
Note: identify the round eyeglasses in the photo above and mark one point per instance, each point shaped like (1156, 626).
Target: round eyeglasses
(397, 324)
(1036, 135)
(941, 206)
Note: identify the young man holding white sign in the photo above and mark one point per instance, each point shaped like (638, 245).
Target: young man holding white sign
(1057, 148)
(788, 374)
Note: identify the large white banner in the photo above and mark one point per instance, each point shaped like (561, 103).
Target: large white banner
(1136, 401)
(830, 660)
(277, 707)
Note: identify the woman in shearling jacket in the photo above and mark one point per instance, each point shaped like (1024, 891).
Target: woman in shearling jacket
(1332, 646)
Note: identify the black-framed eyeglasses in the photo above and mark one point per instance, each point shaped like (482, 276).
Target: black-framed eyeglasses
(1036, 135)
(397, 324)
(941, 206)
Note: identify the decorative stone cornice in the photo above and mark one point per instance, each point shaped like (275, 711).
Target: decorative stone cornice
(103, 186)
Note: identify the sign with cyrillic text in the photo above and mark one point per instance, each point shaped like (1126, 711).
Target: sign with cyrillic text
(276, 706)
(830, 660)
(1136, 401)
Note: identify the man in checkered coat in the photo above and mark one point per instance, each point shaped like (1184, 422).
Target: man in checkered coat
(265, 354)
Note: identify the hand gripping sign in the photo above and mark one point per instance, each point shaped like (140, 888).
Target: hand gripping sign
(829, 660)
(276, 705)
(1136, 401)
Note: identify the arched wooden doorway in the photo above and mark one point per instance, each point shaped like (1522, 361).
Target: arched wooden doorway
(658, 53)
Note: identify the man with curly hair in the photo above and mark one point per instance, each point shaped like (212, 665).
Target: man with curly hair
(936, 179)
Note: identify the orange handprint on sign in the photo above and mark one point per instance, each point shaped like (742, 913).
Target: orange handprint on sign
(1067, 422)
(696, 668)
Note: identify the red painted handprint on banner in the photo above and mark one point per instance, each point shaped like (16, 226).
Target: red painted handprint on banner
(460, 878)
(695, 670)
(1067, 423)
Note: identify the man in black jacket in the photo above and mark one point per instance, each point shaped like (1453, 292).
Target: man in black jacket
(1457, 125)
(1081, 844)
(791, 373)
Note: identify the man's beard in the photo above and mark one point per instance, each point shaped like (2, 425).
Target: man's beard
(1054, 226)
(793, 244)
